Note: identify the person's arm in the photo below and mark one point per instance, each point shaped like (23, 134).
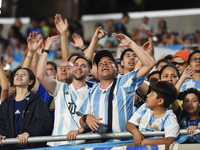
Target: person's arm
(187, 73)
(71, 135)
(4, 82)
(91, 122)
(62, 27)
(147, 61)
(137, 136)
(145, 47)
(166, 141)
(99, 34)
(47, 82)
(150, 40)
(34, 41)
(143, 89)
(78, 42)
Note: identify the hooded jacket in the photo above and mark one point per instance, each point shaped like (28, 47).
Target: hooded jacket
(36, 119)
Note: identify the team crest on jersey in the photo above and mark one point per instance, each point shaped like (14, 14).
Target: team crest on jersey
(113, 97)
(72, 107)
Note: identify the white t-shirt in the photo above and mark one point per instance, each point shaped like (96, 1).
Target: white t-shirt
(66, 104)
(143, 118)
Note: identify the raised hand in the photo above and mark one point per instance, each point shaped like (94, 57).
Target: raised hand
(99, 33)
(50, 40)
(78, 41)
(123, 39)
(60, 25)
(34, 40)
(188, 72)
(146, 31)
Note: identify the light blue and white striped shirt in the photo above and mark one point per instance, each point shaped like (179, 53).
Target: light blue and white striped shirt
(168, 123)
(96, 102)
(67, 102)
(190, 83)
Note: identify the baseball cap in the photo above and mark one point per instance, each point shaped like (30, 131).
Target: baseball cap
(104, 53)
(181, 56)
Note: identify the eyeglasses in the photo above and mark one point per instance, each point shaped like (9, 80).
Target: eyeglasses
(194, 59)
(63, 68)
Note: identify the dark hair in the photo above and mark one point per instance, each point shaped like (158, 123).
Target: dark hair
(31, 77)
(169, 65)
(168, 57)
(189, 58)
(75, 54)
(124, 52)
(188, 91)
(161, 60)
(53, 64)
(85, 58)
(152, 73)
(165, 90)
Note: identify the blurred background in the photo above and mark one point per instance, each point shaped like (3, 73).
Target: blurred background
(175, 24)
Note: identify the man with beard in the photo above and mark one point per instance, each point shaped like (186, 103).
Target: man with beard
(194, 81)
(68, 98)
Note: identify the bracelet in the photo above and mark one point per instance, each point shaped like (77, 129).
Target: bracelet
(85, 47)
(29, 57)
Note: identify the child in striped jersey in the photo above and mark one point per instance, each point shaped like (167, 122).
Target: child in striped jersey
(154, 115)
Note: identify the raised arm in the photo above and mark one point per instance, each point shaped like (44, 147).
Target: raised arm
(62, 27)
(4, 82)
(34, 41)
(187, 73)
(78, 41)
(150, 40)
(47, 82)
(99, 34)
(146, 60)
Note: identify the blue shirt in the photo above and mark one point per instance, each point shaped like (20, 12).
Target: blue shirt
(19, 114)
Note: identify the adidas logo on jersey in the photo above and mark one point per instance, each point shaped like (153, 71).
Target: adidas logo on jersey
(17, 112)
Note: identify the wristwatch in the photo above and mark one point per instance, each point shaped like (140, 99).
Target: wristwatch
(84, 118)
(45, 50)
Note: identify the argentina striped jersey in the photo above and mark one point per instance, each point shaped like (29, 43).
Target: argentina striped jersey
(143, 118)
(96, 103)
(67, 101)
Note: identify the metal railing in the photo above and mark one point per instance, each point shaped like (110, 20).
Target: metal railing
(93, 136)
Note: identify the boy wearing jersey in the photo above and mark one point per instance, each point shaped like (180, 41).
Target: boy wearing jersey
(154, 116)
(96, 102)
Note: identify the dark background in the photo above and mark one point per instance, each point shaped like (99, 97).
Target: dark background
(76, 8)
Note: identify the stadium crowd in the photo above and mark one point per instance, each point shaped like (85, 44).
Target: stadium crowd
(98, 90)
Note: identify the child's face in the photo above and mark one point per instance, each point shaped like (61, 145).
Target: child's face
(191, 104)
(152, 100)
(169, 74)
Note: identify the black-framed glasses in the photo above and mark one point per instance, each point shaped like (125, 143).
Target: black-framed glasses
(194, 59)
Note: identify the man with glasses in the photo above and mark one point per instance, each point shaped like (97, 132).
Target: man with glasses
(194, 62)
